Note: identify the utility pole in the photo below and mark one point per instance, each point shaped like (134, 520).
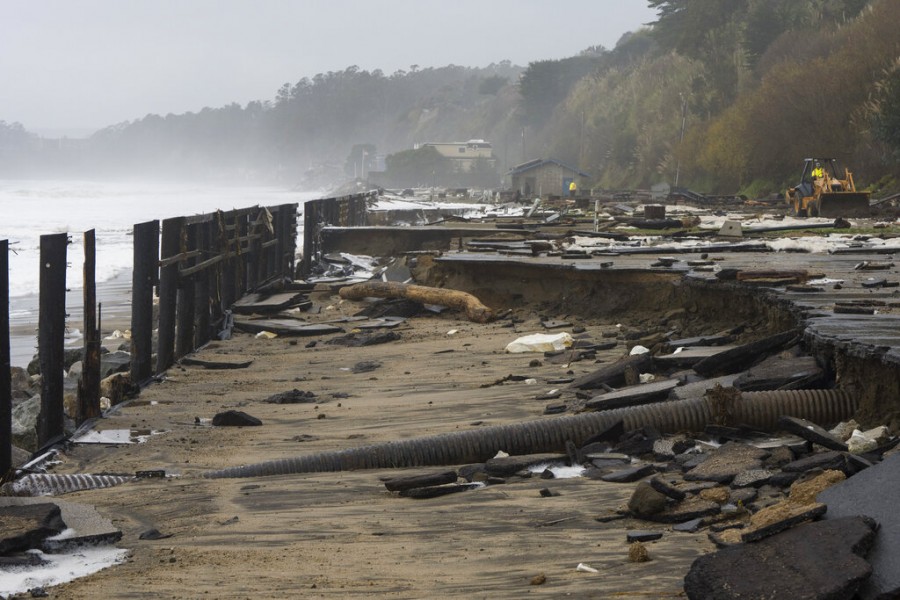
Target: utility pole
(681, 140)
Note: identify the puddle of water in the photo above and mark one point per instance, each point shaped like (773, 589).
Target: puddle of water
(559, 471)
(116, 436)
(60, 568)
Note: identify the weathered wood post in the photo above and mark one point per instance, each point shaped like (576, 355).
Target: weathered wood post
(5, 363)
(143, 278)
(201, 287)
(51, 335)
(168, 292)
(89, 386)
(184, 334)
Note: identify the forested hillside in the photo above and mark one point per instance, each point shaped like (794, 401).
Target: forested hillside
(716, 95)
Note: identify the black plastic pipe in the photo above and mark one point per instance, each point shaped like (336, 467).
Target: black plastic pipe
(759, 410)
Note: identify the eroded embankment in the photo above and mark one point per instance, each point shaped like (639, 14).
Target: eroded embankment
(693, 306)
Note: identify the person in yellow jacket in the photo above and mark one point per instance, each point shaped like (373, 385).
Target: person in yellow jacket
(572, 189)
(818, 172)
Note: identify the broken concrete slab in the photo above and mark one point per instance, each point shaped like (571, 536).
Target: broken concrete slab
(873, 493)
(727, 462)
(510, 465)
(26, 526)
(736, 359)
(689, 357)
(633, 395)
(820, 460)
(285, 327)
(629, 475)
(811, 432)
(799, 563)
(269, 303)
(780, 372)
(408, 482)
(615, 373)
(690, 509)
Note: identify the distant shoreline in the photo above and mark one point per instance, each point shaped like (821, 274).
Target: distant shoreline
(114, 296)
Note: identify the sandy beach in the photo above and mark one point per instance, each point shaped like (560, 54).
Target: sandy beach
(343, 535)
(113, 298)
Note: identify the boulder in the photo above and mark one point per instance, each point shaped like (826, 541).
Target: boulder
(235, 418)
(24, 423)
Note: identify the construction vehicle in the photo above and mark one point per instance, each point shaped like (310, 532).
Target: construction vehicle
(823, 193)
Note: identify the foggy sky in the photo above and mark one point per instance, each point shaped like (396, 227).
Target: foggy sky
(73, 66)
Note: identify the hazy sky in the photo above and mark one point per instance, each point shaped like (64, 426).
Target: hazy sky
(84, 64)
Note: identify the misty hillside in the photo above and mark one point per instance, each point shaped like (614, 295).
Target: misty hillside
(722, 95)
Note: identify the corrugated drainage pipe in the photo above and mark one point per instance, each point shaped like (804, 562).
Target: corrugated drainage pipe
(756, 409)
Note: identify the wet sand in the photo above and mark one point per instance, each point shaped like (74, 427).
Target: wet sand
(113, 298)
(341, 535)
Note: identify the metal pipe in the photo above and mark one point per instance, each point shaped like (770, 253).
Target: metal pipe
(759, 410)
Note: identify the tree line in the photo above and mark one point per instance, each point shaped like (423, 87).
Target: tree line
(723, 96)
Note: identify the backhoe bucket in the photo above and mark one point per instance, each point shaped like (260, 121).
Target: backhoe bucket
(843, 204)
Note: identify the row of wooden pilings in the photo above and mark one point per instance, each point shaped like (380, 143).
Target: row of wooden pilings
(196, 267)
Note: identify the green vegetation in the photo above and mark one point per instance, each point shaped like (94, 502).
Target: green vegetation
(720, 96)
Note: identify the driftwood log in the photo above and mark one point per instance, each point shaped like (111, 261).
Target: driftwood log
(472, 306)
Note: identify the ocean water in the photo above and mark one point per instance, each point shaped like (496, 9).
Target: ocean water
(31, 208)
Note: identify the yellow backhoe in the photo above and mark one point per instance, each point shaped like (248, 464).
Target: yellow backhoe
(823, 193)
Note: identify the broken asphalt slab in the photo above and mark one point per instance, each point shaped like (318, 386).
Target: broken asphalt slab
(820, 560)
(873, 493)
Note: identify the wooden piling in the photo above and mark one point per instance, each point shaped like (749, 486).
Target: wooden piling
(143, 279)
(51, 335)
(89, 385)
(184, 331)
(168, 292)
(5, 363)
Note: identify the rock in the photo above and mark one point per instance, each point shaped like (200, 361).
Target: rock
(796, 564)
(366, 366)
(294, 396)
(646, 501)
(20, 381)
(25, 527)
(153, 534)
(24, 423)
(235, 418)
(811, 432)
(114, 362)
(629, 475)
(116, 387)
(727, 462)
(873, 493)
